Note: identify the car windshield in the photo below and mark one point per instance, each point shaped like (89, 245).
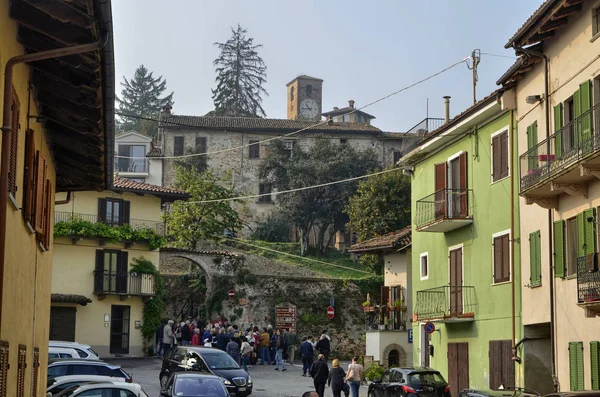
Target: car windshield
(426, 378)
(219, 360)
(199, 387)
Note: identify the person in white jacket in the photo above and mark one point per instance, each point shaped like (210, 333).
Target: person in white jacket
(245, 352)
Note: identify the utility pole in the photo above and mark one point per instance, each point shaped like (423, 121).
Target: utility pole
(475, 59)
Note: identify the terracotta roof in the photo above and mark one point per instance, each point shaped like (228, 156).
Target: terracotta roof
(154, 152)
(259, 124)
(305, 77)
(521, 65)
(141, 187)
(70, 298)
(347, 109)
(201, 252)
(398, 240)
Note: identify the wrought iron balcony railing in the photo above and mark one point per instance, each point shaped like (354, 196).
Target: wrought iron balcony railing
(141, 166)
(445, 205)
(448, 302)
(427, 125)
(111, 283)
(136, 224)
(569, 145)
(588, 280)
(382, 318)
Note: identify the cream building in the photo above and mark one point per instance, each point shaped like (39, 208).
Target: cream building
(557, 80)
(136, 158)
(96, 298)
(388, 326)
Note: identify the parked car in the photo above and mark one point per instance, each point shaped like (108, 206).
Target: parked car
(60, 383)
(104, 390)
(84, 351)
(413, 381)
(208, 360)
(192, 384)
(506, 392)
(62, 367)
(581, 393)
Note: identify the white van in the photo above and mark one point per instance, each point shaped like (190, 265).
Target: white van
(83, 351)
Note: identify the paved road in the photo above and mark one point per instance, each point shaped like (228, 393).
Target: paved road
(267, 382)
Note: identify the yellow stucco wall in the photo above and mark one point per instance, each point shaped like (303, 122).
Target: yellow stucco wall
(27, 272)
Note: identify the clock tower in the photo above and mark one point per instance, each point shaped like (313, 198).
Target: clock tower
(304, 98)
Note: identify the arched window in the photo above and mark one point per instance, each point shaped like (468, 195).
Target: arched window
(292, 93)
(309, 90)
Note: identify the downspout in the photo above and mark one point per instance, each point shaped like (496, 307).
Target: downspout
(7, 131)
(65, 201)
(512, 239)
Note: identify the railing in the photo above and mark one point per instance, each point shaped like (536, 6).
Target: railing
(383, 319)
(572, 143)
(131, 165)
(427, 125)
(111, 283)
(448, 301)
(588, 280)
(443, 204)
(136, 224)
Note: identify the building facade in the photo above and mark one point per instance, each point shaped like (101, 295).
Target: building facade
(557, 81)
(465, 250)
(97, 298)
(136, 158)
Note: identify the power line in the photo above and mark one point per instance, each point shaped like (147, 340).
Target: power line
(291, 190)
(498, 55)
(285, 135)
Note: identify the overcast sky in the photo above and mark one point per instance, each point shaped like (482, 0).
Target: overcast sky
(363, 50)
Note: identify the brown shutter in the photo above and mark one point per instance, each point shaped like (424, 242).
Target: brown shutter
(441, 175)
(125, 207)
(464, 201)
(101, 210)
(504, 154)
(35, 371)
(40, 179)
(48, 214)
(14, 145)
(99, 272)
(495, 353)
(496, 158)
(29, 178)
(505, 258)
(385, 295)
(508, 365)
(453, 368)
(497, 259)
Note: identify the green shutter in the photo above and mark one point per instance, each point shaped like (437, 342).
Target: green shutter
(576, 114)
(590, 233)
(594, 364)
(581, 234)
(559, 249)
(532, 141)
(558, 123)
(580, 374)
(585, 89)
(535, 259)
(576, 365)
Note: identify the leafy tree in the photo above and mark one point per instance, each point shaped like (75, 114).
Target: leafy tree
(190, 222)
(141, 96)
(322, 207)
(241, 74)
(380, 205)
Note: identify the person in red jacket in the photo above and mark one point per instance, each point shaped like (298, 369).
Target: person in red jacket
(196, 337)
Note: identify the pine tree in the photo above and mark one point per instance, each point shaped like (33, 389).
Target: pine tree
(241, 74)
(141, 96)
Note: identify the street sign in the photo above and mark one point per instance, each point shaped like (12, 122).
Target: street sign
(231, 294)
(330, 312)
(410, 335)
(429, 327)
(285, 317)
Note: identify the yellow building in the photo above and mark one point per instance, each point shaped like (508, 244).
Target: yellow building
(96, 297)
(57, 134)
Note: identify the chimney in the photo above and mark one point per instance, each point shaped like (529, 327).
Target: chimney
(351, 103)
(446, 108)
(336, 108)
(166, 110)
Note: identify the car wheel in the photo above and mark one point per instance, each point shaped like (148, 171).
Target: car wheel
(164, 378)
(370, 393)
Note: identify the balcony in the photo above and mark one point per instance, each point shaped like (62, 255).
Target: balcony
(135, 224)
(382, 318)
(588, 284)
(444, 210)
(126, 284)
(427, 125)
(563, 162)
(448, 304)
(127, 166)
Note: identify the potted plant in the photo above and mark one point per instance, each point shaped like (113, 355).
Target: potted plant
(374, 372)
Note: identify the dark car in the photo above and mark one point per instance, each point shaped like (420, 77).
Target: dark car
(192, 384)
(413, 381)
(85, 367)
(506, 392)
(208, 360)
(581, 393)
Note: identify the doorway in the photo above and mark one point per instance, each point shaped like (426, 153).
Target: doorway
(119, 329)
(62, 323)
(458, 367)
(456, 282)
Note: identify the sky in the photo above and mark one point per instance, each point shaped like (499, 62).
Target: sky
(363, 50)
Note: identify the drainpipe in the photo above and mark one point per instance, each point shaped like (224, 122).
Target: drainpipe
(536, 54)
(65, 201)
(7, 131)
(512, 239)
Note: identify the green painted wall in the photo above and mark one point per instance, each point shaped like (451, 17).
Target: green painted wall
(491, 214)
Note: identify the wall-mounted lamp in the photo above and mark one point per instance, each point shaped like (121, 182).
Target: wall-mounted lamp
(532, 99)
(408, 171)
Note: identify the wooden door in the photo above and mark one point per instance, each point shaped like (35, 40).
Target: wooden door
(62, 323)
(462, 185)
(441, 176)
(119, 329)
(456, 282)
(458, 367)
(502, 367)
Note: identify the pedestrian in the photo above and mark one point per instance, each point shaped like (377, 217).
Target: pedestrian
(319, 371)
(159, 338)
(336, 378)
(233, 349)
(246, 352)
(323, 346)
(264, 347)
(168, 339)
(290, 341)
(355, 376)
(206, 333)
(279, 347)
(196, 338)
(307, 354)
(186, 333)
(222, 339)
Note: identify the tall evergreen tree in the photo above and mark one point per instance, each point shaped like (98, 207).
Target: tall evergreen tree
(142, 96)
(241, 74)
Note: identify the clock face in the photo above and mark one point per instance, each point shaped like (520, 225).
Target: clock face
(309, 109)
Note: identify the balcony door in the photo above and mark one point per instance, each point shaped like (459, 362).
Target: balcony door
(451, 188)
(111, 271)
(456, 282)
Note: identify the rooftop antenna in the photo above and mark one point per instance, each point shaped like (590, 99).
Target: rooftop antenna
(475, 59)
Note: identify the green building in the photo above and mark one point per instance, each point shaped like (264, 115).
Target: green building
(465, 259)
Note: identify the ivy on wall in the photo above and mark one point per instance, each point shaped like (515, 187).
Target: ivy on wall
(153, 309)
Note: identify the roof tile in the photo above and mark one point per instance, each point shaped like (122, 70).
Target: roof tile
(399, 239)
(128, 184)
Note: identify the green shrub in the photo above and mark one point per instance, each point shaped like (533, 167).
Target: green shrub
(375, 371)
(275, 229)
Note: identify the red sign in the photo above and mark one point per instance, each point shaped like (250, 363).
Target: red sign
(231, 293)
(330, 312)
(285, 317)
(429, 327)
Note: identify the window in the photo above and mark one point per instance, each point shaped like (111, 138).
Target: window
(501, 259)
(502, 367)
(132, 158)
(254, 149)
(113, 212)
(535, 259)
(565, 264)
(104, 392)
(595, 364)
(14, 145)
(289, 146)
(576, 365)
(346, 118)
(343, 141)
(500, 157)
(264, 188)
(424, 259)
(29, 178)
(110, 274)
(178, 146)
(57, 370)
(309, 90)
(21, 366)
(450, 187)
(595, 21)
(586, 236)
(3, 367)
(532, 141)
(396, 156)
(200, 144)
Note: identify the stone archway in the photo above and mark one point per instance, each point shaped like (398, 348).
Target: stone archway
(397, 352)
